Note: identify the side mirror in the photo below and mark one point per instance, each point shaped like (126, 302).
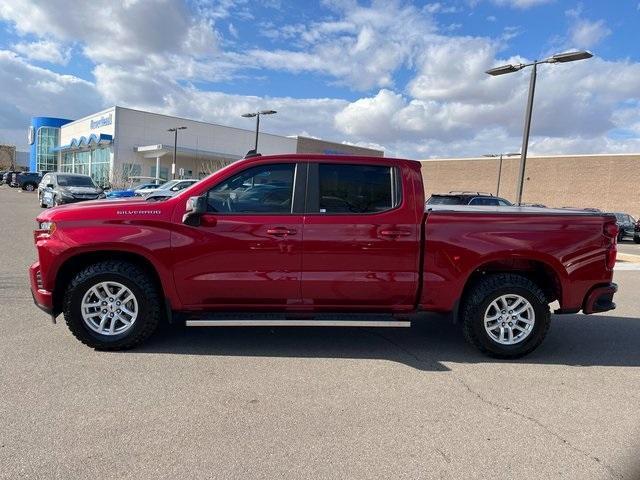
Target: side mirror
(196, 207)
(49, 185)
(107, 186)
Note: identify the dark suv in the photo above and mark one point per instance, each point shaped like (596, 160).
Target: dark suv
(467, 198)
(28, 180)
(59, 188)
(626, 225)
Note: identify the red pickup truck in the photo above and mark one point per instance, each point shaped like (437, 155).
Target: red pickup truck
(318, 240)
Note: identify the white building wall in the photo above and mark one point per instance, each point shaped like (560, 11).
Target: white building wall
(82, 127)
(133, 128)
(137, 128)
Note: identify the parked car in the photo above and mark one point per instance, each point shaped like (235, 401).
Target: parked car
(58, 188)
(467, 198)
(626, 225)
(143, 187)
(213, 256)
(28, 180)
(170, 186)
(9, 176)
(2, 172)
(636, 232)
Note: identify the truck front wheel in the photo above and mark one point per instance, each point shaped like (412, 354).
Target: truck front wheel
(505, 315)
(112, 305)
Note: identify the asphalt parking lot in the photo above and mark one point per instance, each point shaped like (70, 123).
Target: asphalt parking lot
(312, 403)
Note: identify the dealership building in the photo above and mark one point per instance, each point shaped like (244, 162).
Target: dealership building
(118, 143)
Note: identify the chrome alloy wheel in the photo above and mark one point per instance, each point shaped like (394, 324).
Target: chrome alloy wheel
(109, 308)
(509, 319)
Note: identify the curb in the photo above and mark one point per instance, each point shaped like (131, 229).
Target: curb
(628, 257)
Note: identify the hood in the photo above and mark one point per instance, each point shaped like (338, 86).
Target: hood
(106, 210)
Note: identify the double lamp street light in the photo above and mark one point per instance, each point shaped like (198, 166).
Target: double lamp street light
(504, 69)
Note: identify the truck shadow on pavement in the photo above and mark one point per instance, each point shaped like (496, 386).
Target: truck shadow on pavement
(575, 340)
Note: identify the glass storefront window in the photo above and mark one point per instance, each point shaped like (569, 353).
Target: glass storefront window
(95, 163)
(100, 163)
(46, 141)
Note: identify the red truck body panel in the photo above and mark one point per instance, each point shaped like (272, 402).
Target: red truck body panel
(461, 241)
(398, 260)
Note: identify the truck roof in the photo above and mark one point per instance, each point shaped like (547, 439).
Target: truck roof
(312, 157)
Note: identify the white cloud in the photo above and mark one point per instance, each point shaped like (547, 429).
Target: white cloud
(44, 51)
(29, 90)
(361, 49)
(521, 3)
(153, 57)
(587, 34)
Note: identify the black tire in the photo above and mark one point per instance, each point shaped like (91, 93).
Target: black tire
(636, 238)
(137, 281)
(478, 298)
(620, 236)
(29, 187)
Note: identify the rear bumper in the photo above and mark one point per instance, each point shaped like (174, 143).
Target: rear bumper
(41, 297)
(600, 299)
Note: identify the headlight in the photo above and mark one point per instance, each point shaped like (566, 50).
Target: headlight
(65, 194)
(45, 230)
(102, 195)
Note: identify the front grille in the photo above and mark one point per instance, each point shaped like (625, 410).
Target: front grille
(86, 197)
(39, 280)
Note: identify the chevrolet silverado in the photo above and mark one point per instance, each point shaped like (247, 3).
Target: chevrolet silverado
(296, 240)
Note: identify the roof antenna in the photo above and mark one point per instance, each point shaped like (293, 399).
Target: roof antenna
(252, 153)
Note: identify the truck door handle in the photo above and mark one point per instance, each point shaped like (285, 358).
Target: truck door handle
(281, 231)
(394, 233)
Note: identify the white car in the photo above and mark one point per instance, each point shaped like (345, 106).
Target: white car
(171, 186)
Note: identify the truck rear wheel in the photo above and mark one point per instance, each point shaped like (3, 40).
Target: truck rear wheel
(112, 305)
(505, 315)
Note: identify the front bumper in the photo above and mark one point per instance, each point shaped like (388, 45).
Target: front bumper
(41, 297)
(600, 299)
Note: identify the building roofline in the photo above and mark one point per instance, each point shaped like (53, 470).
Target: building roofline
(117, 107)
(560, 155)
(338, 144)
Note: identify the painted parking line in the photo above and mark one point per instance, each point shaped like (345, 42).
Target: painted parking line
(627, 266)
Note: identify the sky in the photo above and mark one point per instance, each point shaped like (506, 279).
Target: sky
(407, 77)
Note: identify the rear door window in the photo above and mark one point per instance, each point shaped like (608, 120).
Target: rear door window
(357, 189)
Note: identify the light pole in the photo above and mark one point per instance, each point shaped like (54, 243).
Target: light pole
(175, 149)
(557, 58)
(257, 115)
(500, 155)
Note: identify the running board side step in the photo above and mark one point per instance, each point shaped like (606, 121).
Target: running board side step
(297, 323)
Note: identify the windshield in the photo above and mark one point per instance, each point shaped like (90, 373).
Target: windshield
(169, 184)
(75, 181)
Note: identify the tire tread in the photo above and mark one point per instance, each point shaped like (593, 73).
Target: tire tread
(141, 279)
(485, 287)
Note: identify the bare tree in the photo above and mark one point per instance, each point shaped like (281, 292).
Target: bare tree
(122, 175)
(207, 167)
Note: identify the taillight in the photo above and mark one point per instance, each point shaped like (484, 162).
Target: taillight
(610, 229)
(612, 253)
